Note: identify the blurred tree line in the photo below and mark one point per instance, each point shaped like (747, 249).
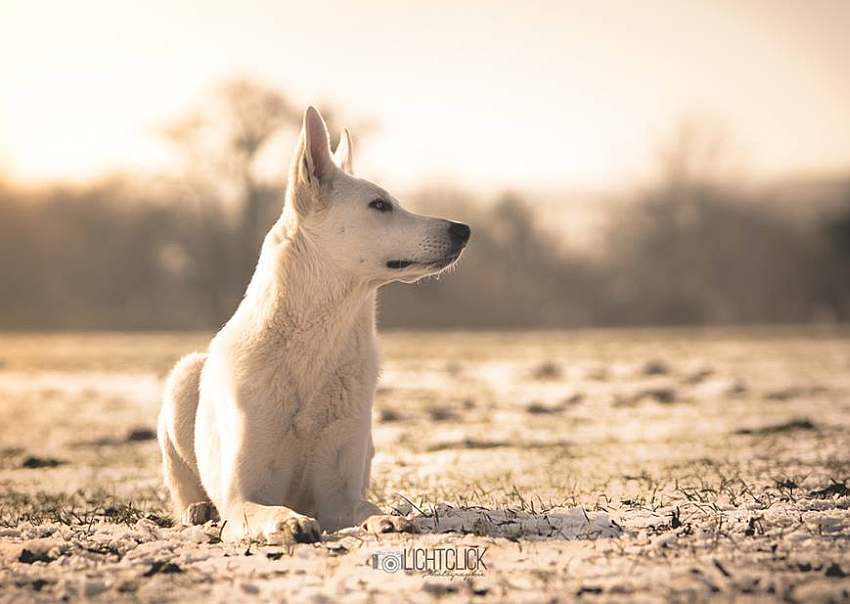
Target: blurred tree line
(177, 253)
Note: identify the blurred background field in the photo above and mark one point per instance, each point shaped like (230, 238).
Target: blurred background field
(620, 164)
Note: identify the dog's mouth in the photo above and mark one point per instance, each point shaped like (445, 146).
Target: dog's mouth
(430, 264)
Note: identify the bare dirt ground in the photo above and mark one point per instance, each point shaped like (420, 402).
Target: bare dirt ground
(641, 465)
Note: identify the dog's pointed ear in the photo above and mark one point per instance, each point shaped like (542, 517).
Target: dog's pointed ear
(314, 160)
(342, 155)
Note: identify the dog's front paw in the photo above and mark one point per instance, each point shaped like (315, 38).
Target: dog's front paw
(291, 527)
(384, 523)
(199, 512)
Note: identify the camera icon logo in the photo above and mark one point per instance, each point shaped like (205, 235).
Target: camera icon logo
(388, 561)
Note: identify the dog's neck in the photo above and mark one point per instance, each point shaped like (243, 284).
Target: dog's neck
(299, 310)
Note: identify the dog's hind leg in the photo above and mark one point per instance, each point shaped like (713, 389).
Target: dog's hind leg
(176, 434)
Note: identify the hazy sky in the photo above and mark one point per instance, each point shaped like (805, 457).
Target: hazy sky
(485, 94)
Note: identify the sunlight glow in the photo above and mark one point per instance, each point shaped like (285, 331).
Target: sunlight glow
(485, 95)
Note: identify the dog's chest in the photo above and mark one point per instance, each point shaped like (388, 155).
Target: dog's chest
(342, 390)
(325, 440)
(346, 393)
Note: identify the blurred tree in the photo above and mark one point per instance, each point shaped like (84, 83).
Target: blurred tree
(838, 232)
(836, 261)
(255, 114)
(220, 143)
(695, 249)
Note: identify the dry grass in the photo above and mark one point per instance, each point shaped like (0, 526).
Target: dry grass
(643, 465)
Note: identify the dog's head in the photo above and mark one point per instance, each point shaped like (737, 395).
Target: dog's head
(356, 224)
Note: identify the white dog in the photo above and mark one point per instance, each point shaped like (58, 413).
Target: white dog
(272, 425)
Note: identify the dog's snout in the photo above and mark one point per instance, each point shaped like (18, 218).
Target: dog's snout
(459, 233)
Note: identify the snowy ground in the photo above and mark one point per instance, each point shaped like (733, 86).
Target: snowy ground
(636, 465)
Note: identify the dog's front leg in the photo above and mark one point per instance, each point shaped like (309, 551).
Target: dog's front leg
(370, 517)
(249, 489)
(273, 524)
(366, 514)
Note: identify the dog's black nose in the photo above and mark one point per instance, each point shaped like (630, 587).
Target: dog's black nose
(459, 233)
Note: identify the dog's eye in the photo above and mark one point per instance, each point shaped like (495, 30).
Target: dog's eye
(381, 205)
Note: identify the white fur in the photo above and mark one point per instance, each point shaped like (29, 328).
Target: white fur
(272, 424)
